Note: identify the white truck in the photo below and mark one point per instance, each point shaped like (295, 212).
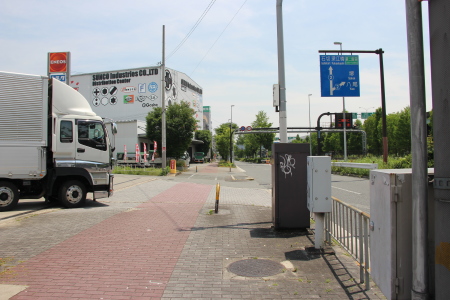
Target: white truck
(52, 144)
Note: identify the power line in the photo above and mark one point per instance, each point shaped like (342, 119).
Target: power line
(219, 36)
(192, 29)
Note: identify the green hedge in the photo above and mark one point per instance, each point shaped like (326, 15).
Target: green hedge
(393, 163)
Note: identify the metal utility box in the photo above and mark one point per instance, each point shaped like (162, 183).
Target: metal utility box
(289, 204)
(391, 231)
(319, 184)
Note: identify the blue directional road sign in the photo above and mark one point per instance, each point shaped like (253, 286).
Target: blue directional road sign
(60, 76)
(339, 75)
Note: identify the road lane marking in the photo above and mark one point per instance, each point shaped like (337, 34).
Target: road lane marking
(347, 190)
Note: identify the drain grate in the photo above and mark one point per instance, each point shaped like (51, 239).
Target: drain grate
(255, 268)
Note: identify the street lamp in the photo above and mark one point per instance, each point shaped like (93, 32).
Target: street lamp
(343, 111)
(367, 109)
(231, 135)
(310, 141)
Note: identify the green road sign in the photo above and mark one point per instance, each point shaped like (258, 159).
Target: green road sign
(366, 115)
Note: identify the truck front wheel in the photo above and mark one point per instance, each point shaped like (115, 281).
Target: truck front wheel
(72, 194)
(9, 195)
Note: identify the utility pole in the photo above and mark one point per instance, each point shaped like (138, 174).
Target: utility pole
(343, 112)
(231, 135)
(419, 150)
(309, 109)
(440, 76)
(281, 73)
(163, 100)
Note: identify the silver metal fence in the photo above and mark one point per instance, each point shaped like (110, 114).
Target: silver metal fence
(349, 226)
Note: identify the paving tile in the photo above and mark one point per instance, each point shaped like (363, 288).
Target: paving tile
(156, 240)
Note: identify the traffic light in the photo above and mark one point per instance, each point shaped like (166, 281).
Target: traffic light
(339, 120)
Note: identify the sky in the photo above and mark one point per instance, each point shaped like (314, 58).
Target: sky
(232, 53)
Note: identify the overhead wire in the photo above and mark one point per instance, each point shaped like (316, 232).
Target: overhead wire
(192, 29)
(207, 52)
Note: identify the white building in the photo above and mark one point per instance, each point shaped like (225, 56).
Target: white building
(127, 96)
(132, 93)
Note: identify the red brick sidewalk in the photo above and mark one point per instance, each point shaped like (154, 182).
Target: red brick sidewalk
(128, 256)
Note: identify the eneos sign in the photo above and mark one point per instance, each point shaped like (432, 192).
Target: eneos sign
(58, 62)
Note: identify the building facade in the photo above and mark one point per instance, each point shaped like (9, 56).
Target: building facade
(130, 94)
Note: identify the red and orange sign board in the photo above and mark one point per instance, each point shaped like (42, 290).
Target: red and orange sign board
(58, 62)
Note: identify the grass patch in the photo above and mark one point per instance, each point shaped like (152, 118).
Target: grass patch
(141, 171)
(226, 164)
(393, 163)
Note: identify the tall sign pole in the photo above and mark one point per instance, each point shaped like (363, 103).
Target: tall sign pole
(281, 73)
(383, 107)
(420, 284)
(163, 100)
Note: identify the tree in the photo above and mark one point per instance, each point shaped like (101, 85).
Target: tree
(354, 140)
(263, 139)
(372, 127)
(180, 125)
(332, 142)
(206, 137)
(402, 132)
(251, 144)
(299, 140)
(222, 137)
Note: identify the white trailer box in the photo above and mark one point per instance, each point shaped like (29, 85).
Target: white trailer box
(23, 125)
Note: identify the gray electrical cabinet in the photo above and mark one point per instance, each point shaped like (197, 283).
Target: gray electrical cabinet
(319, 184)
(391, 231)
(289, 203)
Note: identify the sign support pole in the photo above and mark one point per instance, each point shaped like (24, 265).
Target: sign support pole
(281, 73)
(163, 100)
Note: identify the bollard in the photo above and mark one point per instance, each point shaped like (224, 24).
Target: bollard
(173, 166)
(216, 210)
(195, 169)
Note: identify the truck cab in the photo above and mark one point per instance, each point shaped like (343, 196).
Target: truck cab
(60, 149)
(199, 157)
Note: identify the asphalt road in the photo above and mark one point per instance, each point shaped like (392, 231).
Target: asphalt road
(351, 190)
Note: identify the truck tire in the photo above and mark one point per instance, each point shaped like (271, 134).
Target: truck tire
(9, 195)
(72, 194)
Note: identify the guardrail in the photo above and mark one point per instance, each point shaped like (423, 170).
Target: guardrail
(354, 165)
(349, 226)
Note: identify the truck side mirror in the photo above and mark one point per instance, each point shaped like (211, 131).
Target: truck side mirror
(114, 128)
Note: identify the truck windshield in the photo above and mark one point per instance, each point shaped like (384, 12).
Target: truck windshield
(92, 134)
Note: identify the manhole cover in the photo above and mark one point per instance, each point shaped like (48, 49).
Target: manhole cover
(255, 268)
